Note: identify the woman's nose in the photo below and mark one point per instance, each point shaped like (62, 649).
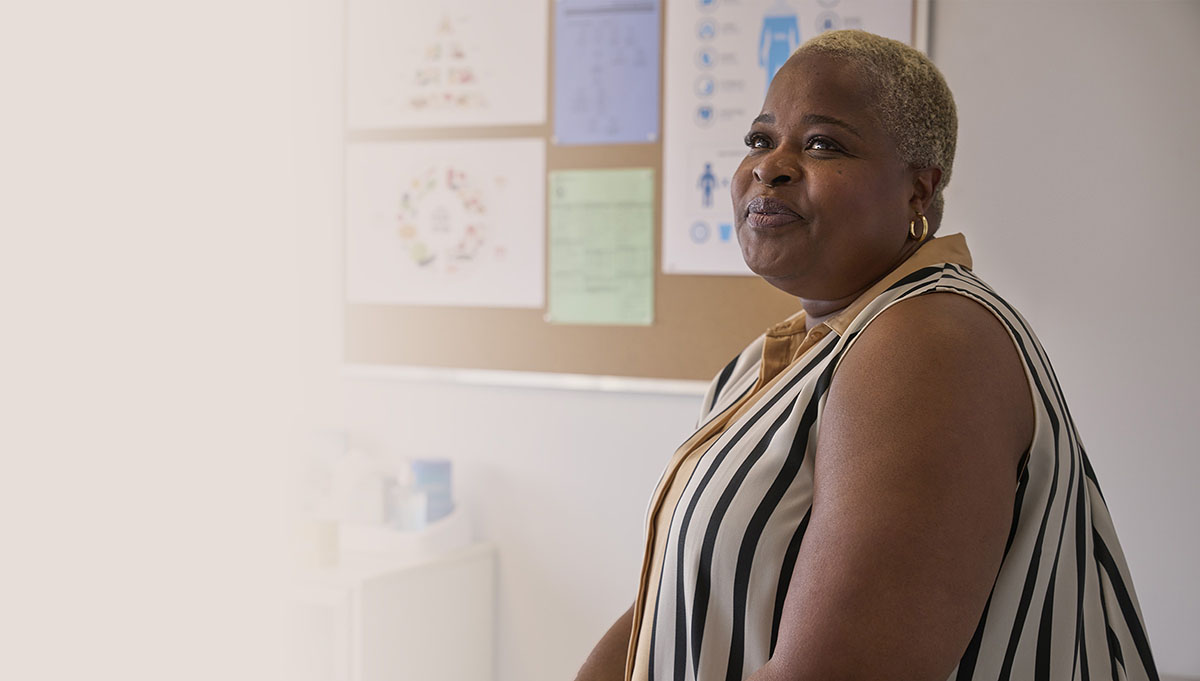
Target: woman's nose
(773, 170)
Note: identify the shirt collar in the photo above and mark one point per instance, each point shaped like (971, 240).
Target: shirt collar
(948, 249)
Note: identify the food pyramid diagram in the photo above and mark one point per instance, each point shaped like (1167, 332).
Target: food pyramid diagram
(445, 78)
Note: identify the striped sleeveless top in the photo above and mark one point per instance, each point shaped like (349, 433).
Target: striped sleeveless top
(729, 515)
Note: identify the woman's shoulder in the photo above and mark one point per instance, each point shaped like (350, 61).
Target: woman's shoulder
(944, 316)
(945, 322)
(944, 298)
(944, 342)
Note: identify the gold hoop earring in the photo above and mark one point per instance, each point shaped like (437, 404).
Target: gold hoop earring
(912, 228)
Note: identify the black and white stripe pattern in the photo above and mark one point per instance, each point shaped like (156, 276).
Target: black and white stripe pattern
(1062, 607)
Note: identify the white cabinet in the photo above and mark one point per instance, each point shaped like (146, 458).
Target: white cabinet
(381, 619)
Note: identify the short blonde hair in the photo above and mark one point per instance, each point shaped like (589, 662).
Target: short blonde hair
(915, 105)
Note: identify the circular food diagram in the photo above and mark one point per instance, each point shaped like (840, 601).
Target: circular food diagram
(443, 221)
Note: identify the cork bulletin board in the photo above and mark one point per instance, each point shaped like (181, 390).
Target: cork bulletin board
(699, 321)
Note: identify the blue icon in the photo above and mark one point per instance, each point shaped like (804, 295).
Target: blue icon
(706, 184)
(726, 231)
(706, 58)
(699, 232)
(704, 115)
(828, 21)
(780, 36)
(705, 86)
(707, 29)
(707, 4)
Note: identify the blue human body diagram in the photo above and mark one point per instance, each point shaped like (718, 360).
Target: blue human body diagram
(606, 71)
(708, 182)
(779, 37)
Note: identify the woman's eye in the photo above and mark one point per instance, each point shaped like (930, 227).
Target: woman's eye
(822, 144)
(756, 140)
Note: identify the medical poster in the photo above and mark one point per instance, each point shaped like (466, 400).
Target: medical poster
(606, 71)
(415, 63)
(602, 246)
(720, 58)
(450, 222)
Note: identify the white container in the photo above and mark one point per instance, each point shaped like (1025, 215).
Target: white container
(381, 618)
(360, 541)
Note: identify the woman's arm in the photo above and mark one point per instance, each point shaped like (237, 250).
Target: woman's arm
(926, 421)
(607, 661)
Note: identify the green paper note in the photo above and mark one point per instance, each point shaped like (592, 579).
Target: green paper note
(602, 246)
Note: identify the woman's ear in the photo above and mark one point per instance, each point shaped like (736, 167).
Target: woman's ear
(925, 181)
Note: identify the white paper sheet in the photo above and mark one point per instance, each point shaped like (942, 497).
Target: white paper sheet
(720, 55)
(416, 63)
(458, 223)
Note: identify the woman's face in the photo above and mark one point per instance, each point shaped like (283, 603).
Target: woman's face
(822, 200)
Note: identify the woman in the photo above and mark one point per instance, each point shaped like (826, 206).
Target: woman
(888, 485)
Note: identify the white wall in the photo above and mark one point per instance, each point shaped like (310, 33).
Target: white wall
(558, 479)
(1077, 155)
(148, 311)
(1076, 185)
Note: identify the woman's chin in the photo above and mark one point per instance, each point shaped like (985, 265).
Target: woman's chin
(780, 277)
(766, 266)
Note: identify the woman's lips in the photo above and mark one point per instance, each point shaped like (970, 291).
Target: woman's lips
(764, 212)
(770, 220)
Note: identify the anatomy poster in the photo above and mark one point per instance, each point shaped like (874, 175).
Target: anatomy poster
(459, 223)
(606, 71)
(720, 58)
(415, 63)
